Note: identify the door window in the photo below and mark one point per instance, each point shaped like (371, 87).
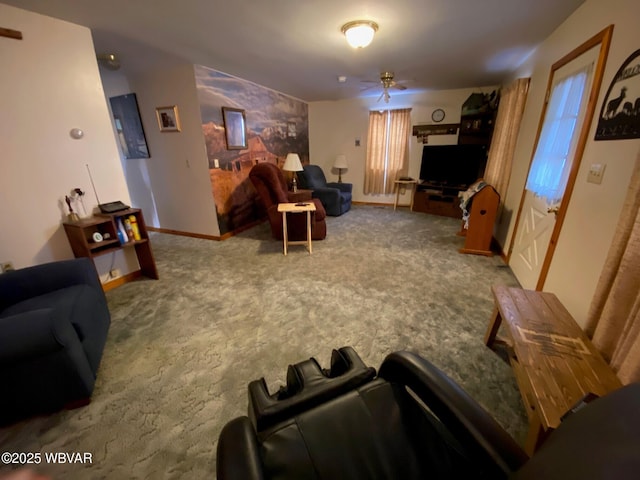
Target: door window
(551, 163)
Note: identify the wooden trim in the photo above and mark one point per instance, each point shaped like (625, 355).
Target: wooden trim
(129, 277)
(183, 234)
(486, 253)
(243, 228)
(224, 236)
(373, 204)
(503, 256)
(7, 32)
(603, 38)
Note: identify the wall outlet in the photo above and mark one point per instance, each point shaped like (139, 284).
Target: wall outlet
(114, 273)
(596, 172)
(7, 266)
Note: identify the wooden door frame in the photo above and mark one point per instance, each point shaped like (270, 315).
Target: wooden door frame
(604, 39)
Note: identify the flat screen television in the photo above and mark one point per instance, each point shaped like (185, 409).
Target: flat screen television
(453, 165)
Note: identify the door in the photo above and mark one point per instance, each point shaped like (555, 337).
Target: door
(570, 103)
(534, 233)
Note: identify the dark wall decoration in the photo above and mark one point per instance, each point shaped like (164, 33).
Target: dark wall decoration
(276, 124)
(128, 125)
(620, 111)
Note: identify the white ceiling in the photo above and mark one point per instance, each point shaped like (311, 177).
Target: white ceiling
(296, 47)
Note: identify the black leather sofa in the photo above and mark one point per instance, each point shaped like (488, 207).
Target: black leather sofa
(348, 423)
(53, 327)
(335, 197)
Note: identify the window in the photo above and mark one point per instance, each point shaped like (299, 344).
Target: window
(552, 161)
(387, 149)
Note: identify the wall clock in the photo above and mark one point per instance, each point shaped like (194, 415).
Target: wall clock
(437, 115)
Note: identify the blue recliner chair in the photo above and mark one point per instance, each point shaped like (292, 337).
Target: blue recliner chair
(53, 327)
(335, 197)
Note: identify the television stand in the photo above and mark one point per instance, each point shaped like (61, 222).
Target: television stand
(438, 199)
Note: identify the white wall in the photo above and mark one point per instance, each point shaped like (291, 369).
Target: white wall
(49, 84)
(136, 170)
(334, 127)
(175, 180)
(594, 209)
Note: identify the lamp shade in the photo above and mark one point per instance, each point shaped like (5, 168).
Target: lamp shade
(359, 33)
(292, 163)
(340, 162)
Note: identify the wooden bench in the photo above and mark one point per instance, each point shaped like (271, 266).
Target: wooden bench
(554, 362)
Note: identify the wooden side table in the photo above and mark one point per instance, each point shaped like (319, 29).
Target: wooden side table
(404, 183)
(301, 195)
(285, 208)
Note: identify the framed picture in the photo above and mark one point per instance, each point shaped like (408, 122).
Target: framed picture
(168, 119)
(291, 129)
(235, 128)
(126, 117)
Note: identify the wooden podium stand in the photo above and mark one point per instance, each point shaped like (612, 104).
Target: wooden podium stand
(482, 216)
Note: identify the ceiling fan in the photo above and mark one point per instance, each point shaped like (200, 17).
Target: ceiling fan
(387, 82)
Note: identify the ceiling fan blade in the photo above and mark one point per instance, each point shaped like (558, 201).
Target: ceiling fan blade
(397, 86)
(380, 97)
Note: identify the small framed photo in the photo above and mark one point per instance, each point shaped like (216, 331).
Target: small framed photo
(168, 119)
(235, 128)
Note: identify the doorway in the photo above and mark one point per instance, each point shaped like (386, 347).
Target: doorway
(570, 100)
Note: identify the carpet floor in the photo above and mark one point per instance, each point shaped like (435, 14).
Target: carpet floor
(182, 349)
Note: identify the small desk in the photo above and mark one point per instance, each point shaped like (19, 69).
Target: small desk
(285, 208)
(554, 362)
(404, 183)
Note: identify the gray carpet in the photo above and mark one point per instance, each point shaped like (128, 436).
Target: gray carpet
(182, 349)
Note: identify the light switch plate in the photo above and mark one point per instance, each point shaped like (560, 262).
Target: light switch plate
(596, 172)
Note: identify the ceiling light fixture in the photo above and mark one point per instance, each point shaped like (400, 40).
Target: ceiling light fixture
(109, 60)
(359, 33)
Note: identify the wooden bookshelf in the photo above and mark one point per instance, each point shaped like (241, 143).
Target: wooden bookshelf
(81, 232)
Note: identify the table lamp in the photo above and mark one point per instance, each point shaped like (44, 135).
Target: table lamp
(293, 164)
(340, 164)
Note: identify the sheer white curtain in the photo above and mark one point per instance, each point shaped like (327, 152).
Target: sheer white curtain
(548, 175)
(387, 149)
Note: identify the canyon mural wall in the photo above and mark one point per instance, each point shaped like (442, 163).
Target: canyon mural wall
(276, 125)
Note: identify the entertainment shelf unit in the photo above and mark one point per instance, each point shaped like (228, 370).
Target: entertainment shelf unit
(80, 235)
(438, 199)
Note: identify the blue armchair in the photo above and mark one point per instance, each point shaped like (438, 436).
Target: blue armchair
(53, 327)
(335, 197)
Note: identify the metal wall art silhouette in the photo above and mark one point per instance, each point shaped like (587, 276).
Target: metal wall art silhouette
(620, 111)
